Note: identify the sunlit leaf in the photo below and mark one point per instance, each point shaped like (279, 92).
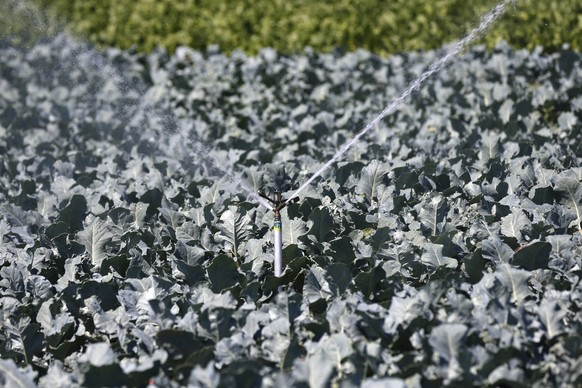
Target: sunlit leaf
(371, 178)
(95, 238)
(447, 340)
(235, 229)
(433, 215)
(496, 250)
(12, 376)
(433, 257)
(515, 224)
(551, 316)
(515, 281)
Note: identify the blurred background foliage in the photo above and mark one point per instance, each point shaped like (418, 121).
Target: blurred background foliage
(381, 26)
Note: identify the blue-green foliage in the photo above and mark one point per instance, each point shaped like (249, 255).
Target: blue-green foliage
(444, 248)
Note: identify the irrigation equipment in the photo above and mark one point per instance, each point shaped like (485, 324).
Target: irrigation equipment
(278, 204)
(202, 150)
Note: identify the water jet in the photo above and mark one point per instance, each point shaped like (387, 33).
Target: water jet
(434, 68)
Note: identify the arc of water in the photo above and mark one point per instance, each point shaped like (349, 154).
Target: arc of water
(435, 67)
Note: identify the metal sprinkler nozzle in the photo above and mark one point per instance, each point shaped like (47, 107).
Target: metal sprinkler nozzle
(278, 204)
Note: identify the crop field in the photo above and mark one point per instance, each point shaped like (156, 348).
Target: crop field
(443, 249)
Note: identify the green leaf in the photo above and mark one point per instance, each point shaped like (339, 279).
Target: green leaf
(105, 292)
(13, 279)
(280, 343)
(385, 382)
(496, 250)
(4, 230)
(293, 352)
(222, 273)
(515, 280)
(153, 198)
(95, 237)
(316, 287)
(277, 341)
(533, 256)
(57, 230)
(110, 375)
(99, 354)
(433, 257)
(561, 243)
(322, 224)
(320, 368)
(339, 277)
(54, 324)
(367, 282)
(551, 316)
(570, 184)
(230, 350)
(506, 111)
(12, 376)
(343, 250)
(371, 178)
(567, 121)
(235, 228)
(74, 213)
(514, 224)
(338, 345)
(138, 214)
(39, 287)
(192, 273)
(213, 195)
(71, 272)
(172, 217)
(179, 344)
(433, 215)
(447, 340)
(473, 265)
(292, 230)
(489, 146)
(57, 376)
(206, 377)
(25, 337)
(19, 220)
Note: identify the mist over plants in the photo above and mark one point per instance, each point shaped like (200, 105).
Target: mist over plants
(443, 249)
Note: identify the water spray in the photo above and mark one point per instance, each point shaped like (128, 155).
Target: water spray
(278, 204)
(414, 86)
(146, 106)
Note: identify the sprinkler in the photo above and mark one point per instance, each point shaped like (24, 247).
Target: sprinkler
(278, 204)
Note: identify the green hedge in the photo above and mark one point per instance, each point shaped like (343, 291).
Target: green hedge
(383, 27)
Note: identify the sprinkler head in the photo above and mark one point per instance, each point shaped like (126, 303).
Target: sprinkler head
(278, 201)
(278, 204)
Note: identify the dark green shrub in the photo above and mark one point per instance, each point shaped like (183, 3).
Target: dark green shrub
(383, 27)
